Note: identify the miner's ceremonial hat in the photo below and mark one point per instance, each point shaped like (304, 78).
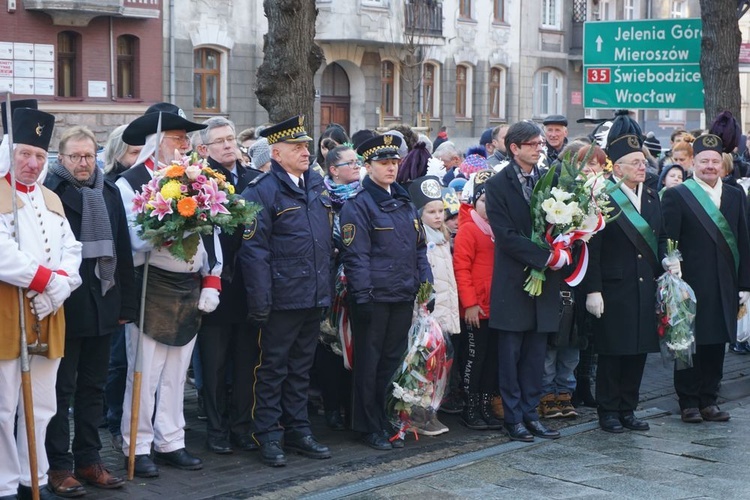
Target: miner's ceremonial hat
(172, 118)
(32, 127)
(707, 142)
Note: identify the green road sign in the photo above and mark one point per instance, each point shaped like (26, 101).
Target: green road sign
(647, 64)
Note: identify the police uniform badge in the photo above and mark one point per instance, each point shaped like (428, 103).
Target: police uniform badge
(348, 231)
(249, 231)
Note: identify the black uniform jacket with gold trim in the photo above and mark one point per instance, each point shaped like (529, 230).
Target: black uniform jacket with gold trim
(286, 253)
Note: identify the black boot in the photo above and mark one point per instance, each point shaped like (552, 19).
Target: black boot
(472, 416)
(582, 395)
(493, 423)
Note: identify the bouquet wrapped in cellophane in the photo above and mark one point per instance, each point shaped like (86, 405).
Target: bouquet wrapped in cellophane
(186, 199)
(572, 211)
(336, 329)
(675, 311)
(422, 377)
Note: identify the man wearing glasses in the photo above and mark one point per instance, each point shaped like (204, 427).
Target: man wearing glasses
(94, 210)
(225, 339)
(524, 321)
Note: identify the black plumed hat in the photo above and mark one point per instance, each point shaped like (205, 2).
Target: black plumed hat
(727, 128)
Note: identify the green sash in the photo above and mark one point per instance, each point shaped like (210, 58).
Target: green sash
(636, 219)
(716, 217)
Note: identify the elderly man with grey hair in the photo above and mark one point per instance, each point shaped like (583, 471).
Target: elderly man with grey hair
(451, 158)
(225, 338)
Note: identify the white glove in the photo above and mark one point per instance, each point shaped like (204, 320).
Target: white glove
(209, 300)
(58, 290)
(41, 304)
(672, 265)
(595, 304)
(744, 296)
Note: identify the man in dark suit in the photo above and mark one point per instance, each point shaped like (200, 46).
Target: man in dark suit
(93, 313)
(225, 339)
(708, 218)
(524, 321)
(624, 261)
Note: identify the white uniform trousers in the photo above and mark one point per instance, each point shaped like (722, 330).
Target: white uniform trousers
(14, 452)
(163, 375)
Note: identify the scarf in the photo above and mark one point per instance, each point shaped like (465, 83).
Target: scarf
(339, 193)
(434, 236)
(482, 224)
(96, 232)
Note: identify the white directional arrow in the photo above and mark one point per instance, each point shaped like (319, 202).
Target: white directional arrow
(599, 43)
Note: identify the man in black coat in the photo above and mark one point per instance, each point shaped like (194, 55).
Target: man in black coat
(93, 312)
(708, 218)
(524, 321)
(225, 339)
(624, 262)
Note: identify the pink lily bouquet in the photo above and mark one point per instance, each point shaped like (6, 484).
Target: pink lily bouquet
(186, 199)
(566, 214)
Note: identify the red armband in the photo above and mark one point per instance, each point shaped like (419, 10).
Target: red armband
(41, 279)
(212, 282)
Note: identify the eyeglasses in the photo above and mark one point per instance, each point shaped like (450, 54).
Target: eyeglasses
(220, 142)
(534, 144)
(351, 163)
(76, 158)
(634, 163)
(179, 138)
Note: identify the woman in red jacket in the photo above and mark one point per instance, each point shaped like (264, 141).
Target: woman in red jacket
(473, 259)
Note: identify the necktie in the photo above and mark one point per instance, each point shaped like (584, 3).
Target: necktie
(528, 187)
(301, 184)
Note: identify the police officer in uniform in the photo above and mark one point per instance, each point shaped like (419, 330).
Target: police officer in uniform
(385, 261)
(285, 258)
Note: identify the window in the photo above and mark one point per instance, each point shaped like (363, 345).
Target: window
(430, 89)
(463, 91)
(68, 43)
(373, 3)
(206, 80)
(548, 93)
(672, 115)
(498, 11)
(387, 88)
(497, 93)
(126, 51)
(464, 9)
(550, 14)
(607, 10)
(630, 9)
(679, 9)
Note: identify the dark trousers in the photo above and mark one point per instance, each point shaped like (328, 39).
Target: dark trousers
(379, 347)
(114, 390)
(480, 359)
(618, 382)
(334, 380)
(520, 361)
(81, 376)
(232, 347)
(698, 387)
(282, 375)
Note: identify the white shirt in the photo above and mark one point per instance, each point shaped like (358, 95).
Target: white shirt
(713, 192)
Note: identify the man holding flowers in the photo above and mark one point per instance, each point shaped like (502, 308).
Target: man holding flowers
(178, 290)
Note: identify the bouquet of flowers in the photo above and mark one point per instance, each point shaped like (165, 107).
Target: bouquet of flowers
(421, 379)
(574, 210)
(335, 329)
(186, 199)
(675, 311)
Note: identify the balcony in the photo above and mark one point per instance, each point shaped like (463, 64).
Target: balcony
(81, 12)
(423, 17)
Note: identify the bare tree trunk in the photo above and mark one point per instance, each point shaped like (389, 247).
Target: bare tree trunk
(284, 84)
(720, 49)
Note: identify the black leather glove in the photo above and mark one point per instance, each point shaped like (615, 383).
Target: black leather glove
(363, 312)
(431, 306)
(259, 317)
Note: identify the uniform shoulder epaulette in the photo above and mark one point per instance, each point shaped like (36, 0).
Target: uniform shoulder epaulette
(258, 179)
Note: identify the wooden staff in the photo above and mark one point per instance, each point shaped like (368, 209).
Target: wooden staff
(28, 402)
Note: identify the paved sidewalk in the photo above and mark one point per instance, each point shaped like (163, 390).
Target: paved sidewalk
(241, 475)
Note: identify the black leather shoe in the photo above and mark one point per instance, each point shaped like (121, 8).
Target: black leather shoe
(714, 414)
(180, 459)
(388, 435)
(271, 454)
(691, 416)
(538, 429)
(144, 466)
(634, 424)
(219, 445)
(377, 441)
(610, 423)
(335, 421)
(24, 493)
(518, 432)
(737, 348)
(307, 446)
(244, 442)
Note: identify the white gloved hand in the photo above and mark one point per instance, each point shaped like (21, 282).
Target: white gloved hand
(58, 290)
(209, 300)
(744, 296)
(41, 304)
(595, 304)
(672, 265)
